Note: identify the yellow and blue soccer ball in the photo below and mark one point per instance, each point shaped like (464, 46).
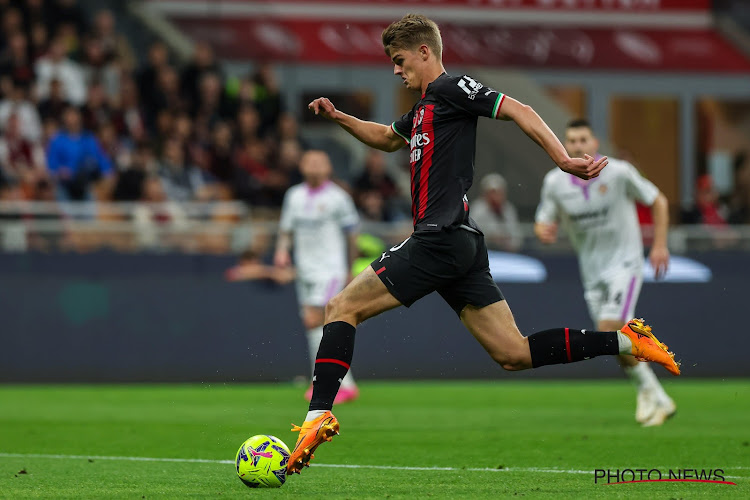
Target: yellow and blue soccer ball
(261, 462)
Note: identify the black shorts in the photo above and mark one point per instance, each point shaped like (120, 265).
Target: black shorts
(452, 262)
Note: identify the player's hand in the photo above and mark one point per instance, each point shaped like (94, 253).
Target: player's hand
(324, 107)
(282, 258)
(547, 233)
(585, 168)
(659, 258)
(282, 276)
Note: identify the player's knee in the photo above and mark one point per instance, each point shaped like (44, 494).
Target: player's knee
(335, 308)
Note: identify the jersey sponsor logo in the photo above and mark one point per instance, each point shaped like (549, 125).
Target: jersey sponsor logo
(417, 142)
(591, 214)
(470, 86)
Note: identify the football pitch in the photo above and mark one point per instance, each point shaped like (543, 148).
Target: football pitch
(536, 439)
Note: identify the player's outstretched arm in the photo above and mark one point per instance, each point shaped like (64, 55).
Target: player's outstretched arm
(659, 254)
(375, 135)
(533, 126)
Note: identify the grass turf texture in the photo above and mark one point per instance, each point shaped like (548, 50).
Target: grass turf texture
(572, 426)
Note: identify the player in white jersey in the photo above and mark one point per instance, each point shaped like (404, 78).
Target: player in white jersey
(602, 223)
(319, 220)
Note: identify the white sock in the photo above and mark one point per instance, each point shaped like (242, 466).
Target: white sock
(644, 377)
(348, 381)
(314, 335)
(624, 343)
(313, 414)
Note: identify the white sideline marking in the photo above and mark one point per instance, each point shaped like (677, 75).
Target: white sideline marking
(543, 470)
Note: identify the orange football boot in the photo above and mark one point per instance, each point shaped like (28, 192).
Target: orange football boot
(311, 435)
(646, 347)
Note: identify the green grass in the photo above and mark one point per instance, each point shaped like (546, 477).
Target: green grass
(571, 426)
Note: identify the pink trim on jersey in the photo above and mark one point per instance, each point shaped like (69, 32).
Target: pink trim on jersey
(314, 191)
(331, 291)
(583, 184)
(628, 300)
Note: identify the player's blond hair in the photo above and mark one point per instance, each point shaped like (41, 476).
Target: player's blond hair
(410, 32)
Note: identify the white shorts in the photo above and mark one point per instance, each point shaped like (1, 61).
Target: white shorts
(614, 298)
(316, 291)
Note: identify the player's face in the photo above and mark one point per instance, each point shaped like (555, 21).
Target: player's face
(315, 168)
(407, 65)
(580, 141)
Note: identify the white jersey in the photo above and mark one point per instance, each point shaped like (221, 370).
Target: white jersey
(319, 220)
(599, 216)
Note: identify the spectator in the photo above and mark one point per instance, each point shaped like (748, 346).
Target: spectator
(739, 201)
(76, 159)
(375, 178)
(372, 206)
(35, 12)
(70, 13)
(131, 180)
(180, 180)
(21, 160)
(220, 155)
(97, 111)
(707, 209)
(248, 123)
(167, 95)
(202, 63)
(128, 117)
(12, 23)
(115, 46)
(38, 41)
(148, 76)
(267, 98)
(15, 63)
(55, 65)
(496, 216)
(97, 69)
(53, 106)
(289, 129)
(211, 107)
(18, 104)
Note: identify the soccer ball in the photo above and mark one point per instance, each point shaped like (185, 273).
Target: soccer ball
(261, 462)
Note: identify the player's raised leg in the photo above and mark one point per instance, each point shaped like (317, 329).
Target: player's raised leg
(495, 329)
(363, 298)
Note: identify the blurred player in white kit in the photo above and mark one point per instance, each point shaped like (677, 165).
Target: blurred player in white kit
(319, 222)
(601, 221)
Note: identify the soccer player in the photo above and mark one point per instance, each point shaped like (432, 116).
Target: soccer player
(446, 252)
(600, 218)
(319, 220)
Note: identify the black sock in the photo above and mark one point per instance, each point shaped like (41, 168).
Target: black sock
(565, 345)
(332, 363)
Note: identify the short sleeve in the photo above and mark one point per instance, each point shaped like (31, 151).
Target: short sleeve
(348, 217)
(473, 97)
(638, 187)
(402, 126)
(546, 212)
(287, 218)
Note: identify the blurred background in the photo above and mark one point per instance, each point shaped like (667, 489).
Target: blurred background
(187, 120)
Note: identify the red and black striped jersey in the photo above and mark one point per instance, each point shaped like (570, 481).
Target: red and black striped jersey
(441, 130)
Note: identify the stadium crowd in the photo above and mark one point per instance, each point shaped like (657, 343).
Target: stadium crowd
(83, 118)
